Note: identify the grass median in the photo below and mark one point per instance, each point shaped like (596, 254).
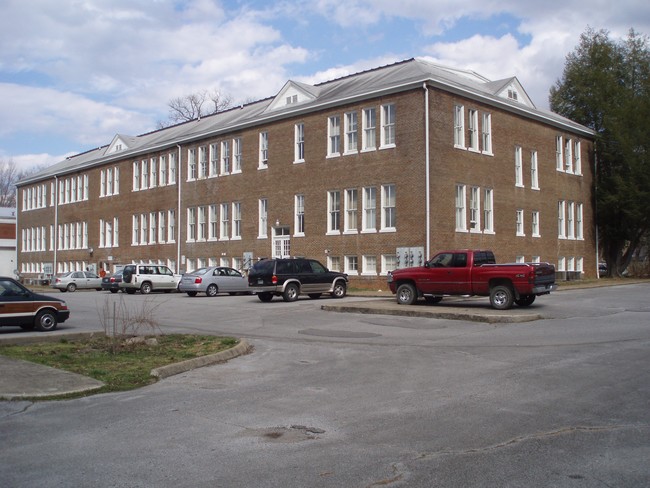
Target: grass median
(120, 363)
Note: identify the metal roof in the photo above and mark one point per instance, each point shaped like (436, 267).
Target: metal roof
(401, 76)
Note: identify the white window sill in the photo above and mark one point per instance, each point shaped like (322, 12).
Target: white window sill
(369, 231)
(387, 146)
(387, 230)
(333, 233)
(351, 232)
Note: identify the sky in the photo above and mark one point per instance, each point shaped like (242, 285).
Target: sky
(74, 73)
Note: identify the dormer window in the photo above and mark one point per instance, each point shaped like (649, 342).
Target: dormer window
(292, 99)
(512, 95)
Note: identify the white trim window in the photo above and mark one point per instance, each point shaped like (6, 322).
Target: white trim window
(172, 168)
(388, 263)
(236, 220)
(472, 118)
(333, 136)
(144, 227)
(534, 171)
(568, 156)
(534, 219)
(369, 214)
(579, 224)
(369, 265)
(351, 211)
(263, 217)
(388, 125)
(333, 212)
(519, 170)
(388, 208)
(136, 178)
(299, 143)
(225, 157)
(264, 150)
(334, 263)
(561, 263)
(459, 126)
(191, 224)
(162, 174)
(519, 222)
(214, 160)
(559, 153)
(351, 265)
(368, 142)
(153, 226)
(144, 174)
(201, 225)
(153, 172)
(488, 211)
(135, 231)
(351, 131)
(299, 215)
(171, 226)
(203, 162)
(486, 133)
(475, 209)
(570, 220)
(561, 225)
(162, 226)
(236, 155)
(461, 216)
(224, 229)
(213, 228)
(191, 164)
(580, 264)
(577, 158)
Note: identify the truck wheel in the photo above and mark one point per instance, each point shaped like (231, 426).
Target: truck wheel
(525, 300)
(406, 294)
(501, 297)
(340, 289)
(291, 293)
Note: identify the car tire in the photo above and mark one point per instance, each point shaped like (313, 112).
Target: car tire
(265, 296)
(291, 293)
(113, 290)
(191, 293)
(45, 321)
(71, 288)
(212, 290)
(130, 291)
(501, 297)
(406, 294)
(145, 288)
(525, 300)
(340, 289)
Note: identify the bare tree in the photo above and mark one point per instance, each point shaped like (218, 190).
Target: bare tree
(9, 175)
(195, 106)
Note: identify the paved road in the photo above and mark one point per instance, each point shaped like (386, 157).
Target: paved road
(352, 400)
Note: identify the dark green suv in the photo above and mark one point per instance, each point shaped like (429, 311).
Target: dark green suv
(290, 278)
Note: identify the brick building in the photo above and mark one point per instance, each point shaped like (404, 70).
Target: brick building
(369, 172)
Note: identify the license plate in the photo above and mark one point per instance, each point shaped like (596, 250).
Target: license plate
(260, 282)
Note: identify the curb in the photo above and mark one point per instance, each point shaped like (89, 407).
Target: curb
(172, 369)
(54, 336)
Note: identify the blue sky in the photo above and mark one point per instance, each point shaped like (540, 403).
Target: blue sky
(73, 73)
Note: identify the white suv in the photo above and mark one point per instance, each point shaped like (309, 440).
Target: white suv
(148, 278)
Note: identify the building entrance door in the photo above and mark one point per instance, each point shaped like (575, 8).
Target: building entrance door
(281, 242)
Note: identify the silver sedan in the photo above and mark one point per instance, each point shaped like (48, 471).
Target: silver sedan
(77, 279)
(212, 281)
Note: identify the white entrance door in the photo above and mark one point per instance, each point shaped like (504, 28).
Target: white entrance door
(281, 242)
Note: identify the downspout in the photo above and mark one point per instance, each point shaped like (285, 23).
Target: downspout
(596, 210)
(179, 171)
(56, 222)
(427, 162)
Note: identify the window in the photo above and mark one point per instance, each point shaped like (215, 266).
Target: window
(388, 263)
(143, 228)
(236, 155)
(264, 150)
(213, 217)
(534, 218)
(486, 133)
(520, 222)
(369, 216)
(162, 174)
(135, 231)
(162, 227)
(299, 222)
(202, 225)
(144, 176)
(388, 208)
(136, 177)
(171, 226)
(568, 156)
(579, 229)
(153, 172)
(580, 264)
(225, 158)
(561, 228)
(224, 229)
(299, 135)
(570, 220)
(561, 263)
(191, 224)
(388, 125)
(474, 209)
(369, 128)
(473, 129)
(191, 164)
(461, 219)
(459, 126)
(203, 162)
(351, 206)
(334, 136)
(488, 214)
(172, 169)
(351, 264)
(334, 212)
(236, 220)
(152, 227)
(263, 218)
(350, 132)
(559, 158)
(577, 159)
(519, 174)
(214, 159)
(369, 264)
(534, 171)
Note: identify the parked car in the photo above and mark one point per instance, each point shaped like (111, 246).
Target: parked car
(23, 308)
(289, 278)
(112, 283)
(212, 281)
(74, 280)
(148, 278)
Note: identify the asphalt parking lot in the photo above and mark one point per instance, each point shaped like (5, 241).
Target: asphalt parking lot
(359, 399)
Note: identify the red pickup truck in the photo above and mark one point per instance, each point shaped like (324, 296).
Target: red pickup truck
(467, 272)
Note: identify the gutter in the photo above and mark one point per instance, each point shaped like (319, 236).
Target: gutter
(179, 172)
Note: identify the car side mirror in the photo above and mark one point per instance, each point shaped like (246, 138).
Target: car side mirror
(426, 264)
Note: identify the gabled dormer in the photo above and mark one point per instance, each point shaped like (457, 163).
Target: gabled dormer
(511, 90)
(120, 143)
(292, 93)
